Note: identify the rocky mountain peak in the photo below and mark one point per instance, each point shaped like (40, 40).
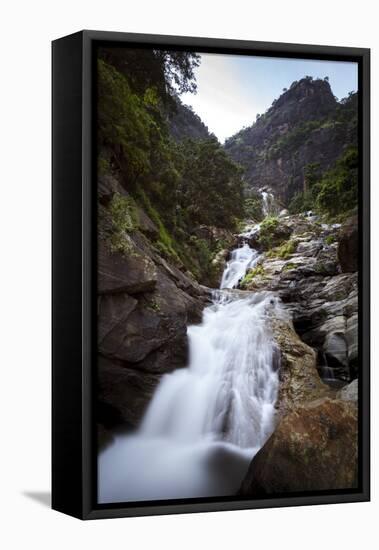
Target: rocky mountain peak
(305, 125)
(306, 99)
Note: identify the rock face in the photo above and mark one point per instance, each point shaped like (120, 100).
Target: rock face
(348, 246)
(144, 307)
(304, 125)
(299, 380)
(349, 392)
(313, 448)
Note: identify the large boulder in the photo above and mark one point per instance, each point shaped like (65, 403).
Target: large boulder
(349, 392)
(123, 394)
(313, 448)
(299, 380)
(348, 246)
(144, 307)
(133, 273)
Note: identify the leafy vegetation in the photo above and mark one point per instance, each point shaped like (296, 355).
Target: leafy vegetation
(181, 185)
(288, 266)
(125, 220)
(330, 239)
(272, 234)
(251, 274)
(293, 139)
(267, 231)
(333, 194)
(284, 251)
(339, 186)
(253, 206)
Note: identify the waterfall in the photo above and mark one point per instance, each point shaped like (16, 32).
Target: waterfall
(241, 259)
(267, 202)
(205, 422)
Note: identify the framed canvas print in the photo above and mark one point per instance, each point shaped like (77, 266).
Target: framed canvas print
(210, 274)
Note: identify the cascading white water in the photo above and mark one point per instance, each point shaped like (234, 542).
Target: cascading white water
(240, 260)
(265, 202)
(205, 422)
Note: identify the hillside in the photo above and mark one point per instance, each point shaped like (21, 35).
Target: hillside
(184, 123)
(219, 336)
(305, 129)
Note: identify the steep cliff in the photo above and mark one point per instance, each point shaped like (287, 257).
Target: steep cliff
(306, 126)
(144, 307)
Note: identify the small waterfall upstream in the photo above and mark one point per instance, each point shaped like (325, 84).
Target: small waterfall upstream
(205, 422)
(241, 259)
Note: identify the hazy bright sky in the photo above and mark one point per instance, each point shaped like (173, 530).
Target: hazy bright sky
(233, 89)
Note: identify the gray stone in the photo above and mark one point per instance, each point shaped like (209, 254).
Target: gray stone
(335, 348)
(349, 392)
(134, 273)
(348, 245)
(313, 448)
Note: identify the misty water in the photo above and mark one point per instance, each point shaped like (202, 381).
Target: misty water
(205, 422)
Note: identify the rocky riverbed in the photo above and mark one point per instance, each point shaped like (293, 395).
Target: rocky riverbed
(313, 269)
(146, 303)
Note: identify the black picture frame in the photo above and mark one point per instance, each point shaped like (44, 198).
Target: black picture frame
(74, 273)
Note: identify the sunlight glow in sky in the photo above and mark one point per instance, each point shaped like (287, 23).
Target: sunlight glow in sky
(232, 90)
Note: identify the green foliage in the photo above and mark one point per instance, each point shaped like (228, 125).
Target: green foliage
(103, 165)
(312, 174)
(123, 122)
(253, 207)
(284, 251)
(210, 191)
(202, 255)
(267, 231)
(180, 185)
(124, 213)
(164, 243)
(153, 304)
(289, 266)
(294, 139)
(251, 274)
(169, 72)
(339, 186)
(124, 217)
(301, 202)
(333, 194)
(330, 239)
(304, 201)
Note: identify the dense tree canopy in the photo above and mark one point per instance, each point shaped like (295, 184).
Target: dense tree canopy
(180, 184)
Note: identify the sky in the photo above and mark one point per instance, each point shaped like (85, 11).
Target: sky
(232, 90)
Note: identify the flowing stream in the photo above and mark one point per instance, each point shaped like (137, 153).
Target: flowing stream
(205, 422)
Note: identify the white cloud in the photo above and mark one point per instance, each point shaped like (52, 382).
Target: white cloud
(223, 102)
(232, 90)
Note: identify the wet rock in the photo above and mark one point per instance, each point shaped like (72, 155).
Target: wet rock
(218, 266)
(349, 392)
(299, 380)
(313, 448)
(123, 393)
(309, 248)
(348, 246)
(322, 300)
(132, 273)
(113, 312)
(144, 307)
(335, 348)
(352, 343)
